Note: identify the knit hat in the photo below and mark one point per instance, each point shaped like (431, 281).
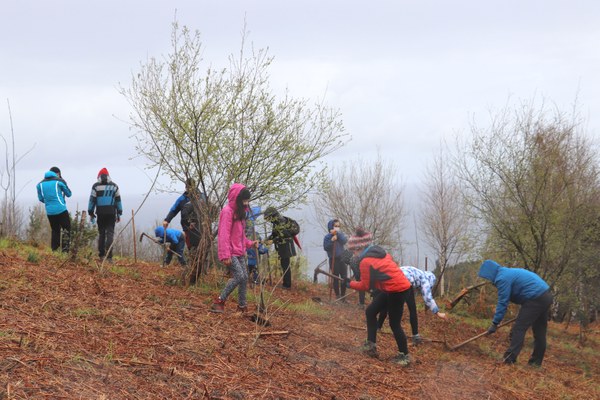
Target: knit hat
(103, 171)
(359, 240)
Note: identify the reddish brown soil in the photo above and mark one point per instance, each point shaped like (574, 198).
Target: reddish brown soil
(76, 331)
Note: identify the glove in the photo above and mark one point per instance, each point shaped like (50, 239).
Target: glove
(347, 282)
(493, 327)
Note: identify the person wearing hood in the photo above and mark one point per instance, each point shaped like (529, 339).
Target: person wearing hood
(333, 244)
(176, 241)
(379, 272)
(425, 281)
(532, 293)
(52, 192)
(232, 244)
(105, 206)
(283, 231)
(190, 223)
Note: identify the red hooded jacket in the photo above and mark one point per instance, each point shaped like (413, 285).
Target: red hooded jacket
(379, 271)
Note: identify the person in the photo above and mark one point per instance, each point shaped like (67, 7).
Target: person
(283, 231)
(232, 244)
(105, 205)
(526, 288)
(379, 272)
(176, 241)
(189, 221)
(52, 192)
(352, 261)
(333, 244)
(253, 258)
(425, 281)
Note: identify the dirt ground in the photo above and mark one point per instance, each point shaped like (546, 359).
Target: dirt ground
(122, 331)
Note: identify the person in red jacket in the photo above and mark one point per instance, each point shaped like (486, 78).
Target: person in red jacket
(379, 272)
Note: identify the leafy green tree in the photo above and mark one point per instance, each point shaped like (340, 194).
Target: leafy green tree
(531, 177)
(220, 126)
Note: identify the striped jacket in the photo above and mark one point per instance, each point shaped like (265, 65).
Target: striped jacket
(105, 198)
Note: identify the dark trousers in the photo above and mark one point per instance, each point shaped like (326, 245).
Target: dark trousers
(534, 314)
(106, 233)
(412, 311)
(361, 297)
(287, 272)
(177, 248)
(339, 269)
(394, 304)
(58, 222)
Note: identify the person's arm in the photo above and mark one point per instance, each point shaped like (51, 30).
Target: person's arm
(328, 243)
(224, 234)
(92, 202)
(175, 208)
(504, 289)
(365, 277)
(40, 193)
(65, 188)
(118, 203)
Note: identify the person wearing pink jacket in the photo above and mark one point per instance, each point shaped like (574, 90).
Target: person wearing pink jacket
(232, 244)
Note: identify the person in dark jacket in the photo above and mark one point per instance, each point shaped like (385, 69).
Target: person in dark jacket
(526, 288)
(282, 235)
(176, 241)
(380, 273)
(52, 192)
(105, 205)
(333, 244)
(190, 223)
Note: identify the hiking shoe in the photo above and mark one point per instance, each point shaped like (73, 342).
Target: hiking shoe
(218, 306)
(401, 359)
(417, 339)
(369, 349)
(242, 309)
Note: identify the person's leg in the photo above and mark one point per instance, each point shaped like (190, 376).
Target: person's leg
(335, 283)
(528, 313)
(361, 298)
(110, 234)
(412, 310)
(540, 327)
(179, 249)
(55, 228)
(65, 224)
(287, 272)
(169, 256)
(242, 287)
(395, 307)
(238, 270)
(378, 304)
(101, 221)
(341, 270)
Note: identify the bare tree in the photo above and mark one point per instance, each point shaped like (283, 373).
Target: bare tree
(444, 222)
(12, 215)
(365, 194)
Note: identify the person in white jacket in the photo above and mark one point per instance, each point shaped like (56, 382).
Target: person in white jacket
(425, 281)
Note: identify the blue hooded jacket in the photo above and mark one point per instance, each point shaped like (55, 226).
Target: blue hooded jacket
(52, 192)
(173, 235)
(328, 243)
(514, 284)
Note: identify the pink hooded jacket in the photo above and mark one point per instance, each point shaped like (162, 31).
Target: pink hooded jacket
(232, 240)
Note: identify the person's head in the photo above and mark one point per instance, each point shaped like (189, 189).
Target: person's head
(103, 175)
(190, 184)
(359, 241)
(333, 224)
(489, 270)
(56, 170)
(159, 231)
(242, 202)
(271, 214)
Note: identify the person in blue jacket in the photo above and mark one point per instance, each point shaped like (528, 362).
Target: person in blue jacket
(526, 288)
(333, 243)
(52, 192)
(176, 240)
(183, 205)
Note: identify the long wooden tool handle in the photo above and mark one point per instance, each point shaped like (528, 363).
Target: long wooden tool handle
(320, 271)
(481, 334)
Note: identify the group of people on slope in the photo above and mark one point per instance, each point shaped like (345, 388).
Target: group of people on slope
(391, 286)
(104, 206)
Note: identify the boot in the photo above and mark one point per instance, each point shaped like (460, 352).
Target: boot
(417, 339)
(369, 348)
(401, 359)
(242, 309)
(218, 306)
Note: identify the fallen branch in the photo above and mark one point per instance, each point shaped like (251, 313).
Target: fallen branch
(271, 333)
(464, 292)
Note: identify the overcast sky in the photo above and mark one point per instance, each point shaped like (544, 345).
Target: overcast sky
(404, 74)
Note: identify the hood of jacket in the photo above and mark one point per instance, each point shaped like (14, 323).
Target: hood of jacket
(330, 225)
(159, 231)
(234, 191)
(489, 270)
(430, 278)
(374, 251)
(50, 175)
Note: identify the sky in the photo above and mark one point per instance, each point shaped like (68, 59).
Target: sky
(404, 74)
